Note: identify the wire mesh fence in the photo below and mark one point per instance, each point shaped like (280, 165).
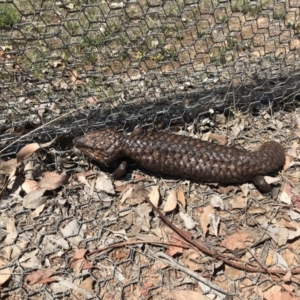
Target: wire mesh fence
(67, 67)
(114, 62)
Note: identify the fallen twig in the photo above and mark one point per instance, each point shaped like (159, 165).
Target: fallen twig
(124, 244)
(231, 261)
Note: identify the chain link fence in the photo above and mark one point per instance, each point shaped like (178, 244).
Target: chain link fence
(67, 67)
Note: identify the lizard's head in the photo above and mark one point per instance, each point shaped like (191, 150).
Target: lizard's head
(103, 146)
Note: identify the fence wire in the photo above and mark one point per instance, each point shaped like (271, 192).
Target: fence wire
(67, 67)
(115, 62)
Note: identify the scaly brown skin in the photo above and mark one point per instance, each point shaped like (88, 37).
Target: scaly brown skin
(185, 156)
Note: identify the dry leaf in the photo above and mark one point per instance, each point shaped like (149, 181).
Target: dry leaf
(287, 277)
(237, 128)
(104, 184)
(278, 233)
(189, 223)
(245, 189)
(26, 151)
(80, 264)
(121, 186)
(55, 63)
(143, 210)
(288, 162)
(91, 101)
(71, 228)
(171, 203)
(286, 295)
(135, 195)
(295, 120)
(285, 197)
(48, 280)
(34, 199)
(33, 169)
(126, 193)
(173, 250)
(181, 198)
(239, 202)
(87, 284)
(12, 231)
(64, 285)
(214, 221)
(175, 238)
(30, 260)
(144, 289)
(7, 167)
(270, 179)
(270, 259)
(288, 289)
(236, 241)
(274, 293)
(189, 258)
(61, 242)
(14, 248)
(74, 76)
(204, 218)
(179, 241)
(37, 211)
(256, 210)
(187, 294)
(220, 119)
(225, 190)
(295, 215)
(120, 255)
(75, 80)
(52, 180)
(219, 138)
(154, 195)
(278, 124)
(54, 109)
(5, 274)
(87, 175)
(292, 151)
(29, 185)
(158, 265)
(205, 136)
(297, 133)
(287, 188)
(296, 201)
(39, 275)
(266, 116)
(74, 229)
(79, 253)
(216, 201)
(288, 225)
(15, 183)
(294, 233)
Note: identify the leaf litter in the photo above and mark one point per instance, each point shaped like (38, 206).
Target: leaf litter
(116, 236)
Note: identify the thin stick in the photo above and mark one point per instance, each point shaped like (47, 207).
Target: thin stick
(231, 261)
(119, 245)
